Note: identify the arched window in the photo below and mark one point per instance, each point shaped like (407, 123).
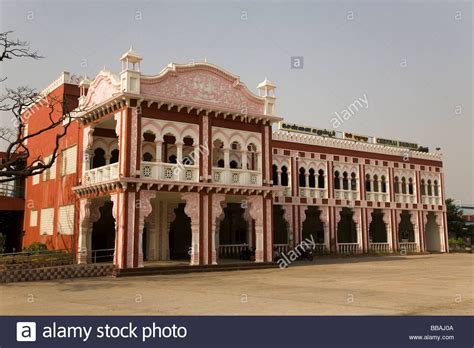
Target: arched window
(275, 174)
(114, 156)
(353, 182)
(376, 183)
(99, 158)
(396, 185)
(367, 182)
(169, 148)
(236, 153)
(337, 181)
(218, 153)
(383, 183)
(410, 186)
(312, 178)
(430, 190)
(172, 159)
(320, 178)
(147, 157)
(345, 181)
(404, 185)
(284, 176)
(423, 187)
(436, 188)
(302, 177)
(251, 157)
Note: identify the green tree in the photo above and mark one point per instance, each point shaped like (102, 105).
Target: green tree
(455, 219)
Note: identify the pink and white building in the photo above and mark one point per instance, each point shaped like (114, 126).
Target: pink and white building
(190, 164)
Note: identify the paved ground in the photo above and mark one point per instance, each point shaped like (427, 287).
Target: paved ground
(428, 284)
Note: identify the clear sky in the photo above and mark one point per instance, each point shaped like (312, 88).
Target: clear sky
(411, 60)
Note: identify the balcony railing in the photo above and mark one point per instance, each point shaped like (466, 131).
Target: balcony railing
(348, 248)
(101, 174)
(405, 198)
(411, 247)
(431, 200)
(237, 177)
(282, 248)
(379, 247)
(377, 196)
(169, 172)
(346, 194)
(312, 192)
(231, 250)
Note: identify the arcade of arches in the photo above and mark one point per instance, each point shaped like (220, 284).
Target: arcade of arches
(167, 232)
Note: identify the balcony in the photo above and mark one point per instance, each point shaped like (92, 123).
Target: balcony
(101, 174)
(169, 172)
(377, 196)
(311, 192)
(405, 198)
(346, 194)
(431, 200)
(236, 177)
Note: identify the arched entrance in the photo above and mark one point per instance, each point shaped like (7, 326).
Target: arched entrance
(103, 235)
(180, 235)
(280, 226)
(377, 228)
(233, 231)
(313, 227)
(346, 228)
(406, 230)
(432, 233)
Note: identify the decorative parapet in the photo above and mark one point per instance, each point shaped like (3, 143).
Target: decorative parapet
(64, 77)
(352, 145)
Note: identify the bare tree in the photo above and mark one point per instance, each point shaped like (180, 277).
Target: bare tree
(20, 160)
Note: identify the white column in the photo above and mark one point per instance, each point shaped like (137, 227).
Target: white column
(192, 210)
(387, 219)
(179, 152)
(255, 211)
(243, 155)
(226, 157)
(158, 150)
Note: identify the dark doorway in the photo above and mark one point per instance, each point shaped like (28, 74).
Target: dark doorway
(103, 235)
(280, 226)
(313, 226)
(233, 228)
(180, 235)
(406, 231)
(377, 228)
(99, 158)
(346, 229)
(11, 223)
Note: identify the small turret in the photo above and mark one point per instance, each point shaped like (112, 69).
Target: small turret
(266, 89)
(130, 75)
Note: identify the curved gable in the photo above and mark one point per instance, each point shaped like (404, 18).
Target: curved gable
(104, 86)
(202, 84)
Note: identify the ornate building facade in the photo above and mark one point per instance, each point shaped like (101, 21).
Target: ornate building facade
(189, 164)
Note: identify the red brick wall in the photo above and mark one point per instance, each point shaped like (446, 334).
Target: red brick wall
(54, 192)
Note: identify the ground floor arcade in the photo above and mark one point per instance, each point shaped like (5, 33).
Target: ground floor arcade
(206, 228)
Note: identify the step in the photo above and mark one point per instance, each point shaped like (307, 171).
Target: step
(157, 270)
